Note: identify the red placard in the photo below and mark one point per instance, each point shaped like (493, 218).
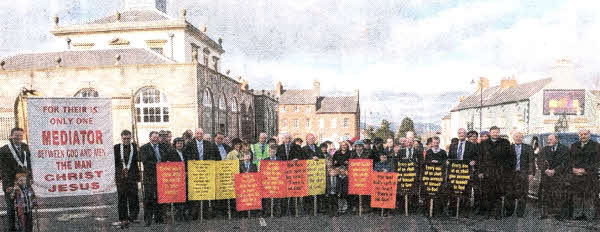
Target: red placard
(170, 182)
(295, 175)
(383, 190)
(247, 191)
(359, 171)
(273, 179)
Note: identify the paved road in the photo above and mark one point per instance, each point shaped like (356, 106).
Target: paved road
(103, 218)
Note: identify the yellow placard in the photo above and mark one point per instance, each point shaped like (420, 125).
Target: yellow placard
(201, 180)
(226, 171)
(315, 175)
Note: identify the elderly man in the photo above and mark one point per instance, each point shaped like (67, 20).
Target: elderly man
(260, 149)
(289, 151)
(388, 147)
(310, 150)
(495, 167)
(151, 154)
(463, 150)
(200, 149)
(553, 165)
(582, 164)
(523, 170)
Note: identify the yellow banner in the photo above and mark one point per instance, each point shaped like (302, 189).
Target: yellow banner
(315, 175)
(226, 171)
(201, 180)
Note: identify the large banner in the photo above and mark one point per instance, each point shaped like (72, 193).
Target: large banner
(315, 175)
(559, 101)
(247, 190)
(226, 171)
(458, 176)
(71, 145)
(383, 193)
(201, 180)
(295, 175)
(359, 172)
(273, 179)
(170, 182)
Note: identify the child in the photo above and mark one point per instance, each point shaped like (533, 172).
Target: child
(266, 202)
(24, 201)
(382, 165)
(246, 164)
(332, 191)
(343, 188)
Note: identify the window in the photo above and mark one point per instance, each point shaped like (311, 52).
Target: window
(346, 122)
(307, 124)
(308, 109)
(223, 122)
(284, 123)
(295, 108)
(321, 123)
(296, 123)
(195, 48)
(234, 106)
(151, 106)
(346, 137)
(158, 50)
(283, 109)
(6, 124)
(208, 112)
(206, 52)
(222, 103)
(333, 123)
(87, 93)
(216, 63)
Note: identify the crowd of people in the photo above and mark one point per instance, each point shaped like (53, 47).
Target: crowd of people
(501, 171)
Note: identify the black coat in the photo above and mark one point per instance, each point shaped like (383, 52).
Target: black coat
(340, 188)
(174, 156)
(527, 164)
(133, 172)
(584, 157)
(440, 156)
(251, 168)
(226, 147)
(309, 153)
(294, 152)
(209, 150)
(471, 151)
(554, 160)
(495, 158)
(340, 159)
(363, 155)
(149, 160)
(10, 167)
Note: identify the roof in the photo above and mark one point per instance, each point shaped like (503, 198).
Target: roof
(345, 104)
(84, 58)
(497, 96)
(133, 16)
(297, 97)
(595, 92)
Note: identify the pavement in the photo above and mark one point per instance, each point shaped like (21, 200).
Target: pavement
(104, 218)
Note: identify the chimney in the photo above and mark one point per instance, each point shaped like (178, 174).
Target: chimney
(316, 89)
(483, 83)
(58, 60)
(182, 13)
(507, 82)
(55, 20)
(356, 95)
(117, 59)
(278, 89)
(461, 98)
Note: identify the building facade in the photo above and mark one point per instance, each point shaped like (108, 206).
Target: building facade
(160, 71)
(303, 111)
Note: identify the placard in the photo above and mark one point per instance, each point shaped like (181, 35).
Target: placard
(383, 190)
(359, 172)
(295, 175)
(247, 190)
(226, 171)
(407, 176)
(71, 146)
(170, 182)
(273, 179)
(433, 178)
(201, 180)
(459, 175)
(315, 175)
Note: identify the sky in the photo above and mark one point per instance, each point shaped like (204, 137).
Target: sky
(385, 48)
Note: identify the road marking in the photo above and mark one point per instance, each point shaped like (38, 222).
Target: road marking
(262, 222)
(54, 210)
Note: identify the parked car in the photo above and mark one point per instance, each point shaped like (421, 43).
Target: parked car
(563, 138)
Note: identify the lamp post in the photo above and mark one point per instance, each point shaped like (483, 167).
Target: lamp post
(479, 87)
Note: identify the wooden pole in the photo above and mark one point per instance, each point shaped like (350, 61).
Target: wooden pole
(457, 206)
(431, 207)
(248, 214)
(296, 205)
(272, 203)
(201, 210)
(172, 214)
(502, 208)
(229, 209)
(405, 205)
(359, 205)
(516, 206)
(381, 212)
(315, 205)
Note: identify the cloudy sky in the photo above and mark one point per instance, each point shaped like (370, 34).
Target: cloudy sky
(385, 48)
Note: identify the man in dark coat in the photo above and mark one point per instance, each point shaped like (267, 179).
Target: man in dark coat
(583, 168)
(523, 170)
(463, 150)
(199, 149)
(495, 168)
(126, 178)
(222, 148)
(310, 150)
(151, 154)
(288, 150)
(553, 162)
(15, 157)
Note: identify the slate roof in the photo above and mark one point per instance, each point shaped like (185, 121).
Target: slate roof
(496, 96)
(297, 97)
(345, 104)
(84, 58)
(133, 16)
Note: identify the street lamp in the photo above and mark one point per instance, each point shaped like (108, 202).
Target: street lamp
(479, 87)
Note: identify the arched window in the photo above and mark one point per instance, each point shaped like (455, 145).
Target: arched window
(87, 92)
(207, 102)
(235, 117)
(223, 122)
(151, 106)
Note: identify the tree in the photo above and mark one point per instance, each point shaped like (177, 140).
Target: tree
(384, 131)
(370, 132)
(406, 125)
